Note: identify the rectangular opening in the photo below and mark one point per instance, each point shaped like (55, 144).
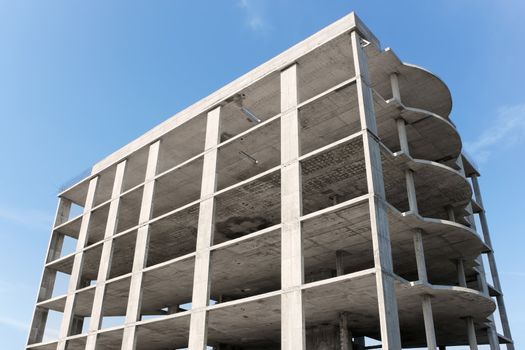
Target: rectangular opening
(249, 155)
(123, 251)
(97, 225)
(329, 119)
(111, 340)
(75, 211)
(173, 236)
(89, 272)
(236, 270)
(325, 67)
(52, 325)
(256, 103)
(337, 243)
(178, 187)
(353, 299)
(135, 170)
(255, 324)
(129, 209)
(61, 284)
(248, 208)
(77, 195)
(82, 312)
(182, 143)
(166, 288)
(172, 333)
(115, 303)
(333, 176)
(104, 185)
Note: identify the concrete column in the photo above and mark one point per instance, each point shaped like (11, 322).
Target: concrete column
(292, 274)
(345, 336)
(47, 281)
(411, 191)
(430, 332)
(201, 279)
(471, 330)
(141, 251)
(394, 83)
(450, 213)
(402, 134)
(462, 281)
(492, 262)
(420, 256)
(387, 304)
(77, 266)
(105, 259)
(409, 174)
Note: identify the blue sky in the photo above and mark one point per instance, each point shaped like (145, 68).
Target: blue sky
(78, 80)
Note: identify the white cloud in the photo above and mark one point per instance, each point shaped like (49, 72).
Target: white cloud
(29, 218)
(506, 130)
(12, 323)
(254, 11)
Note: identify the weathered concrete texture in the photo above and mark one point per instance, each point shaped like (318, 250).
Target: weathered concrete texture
(320, 201)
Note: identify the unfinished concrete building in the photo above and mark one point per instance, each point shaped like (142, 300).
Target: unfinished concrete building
(321, 201)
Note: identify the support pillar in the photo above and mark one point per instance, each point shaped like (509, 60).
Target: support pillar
(492, 263)
(387, 303)
(78, 261)
(292, 272)
(141, 251)
(201, 280)
(430, 332)
(471, 330)
(47, 282)
(462, 281)
(420, 256)
(105, 259)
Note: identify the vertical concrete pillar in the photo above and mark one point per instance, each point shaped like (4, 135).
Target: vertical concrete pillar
(420, 256)
(471, 331)
(344, 334)
(141, 251)
(450, 213)
(411, 191)
(47, 282)
(387, 304)
(409, 174)
(201, 279)
(394, 83)
(77, 266)
(462, 281)
(402, 134)
(105, 259)
(492, 262)
(430, 333)
(292, 274)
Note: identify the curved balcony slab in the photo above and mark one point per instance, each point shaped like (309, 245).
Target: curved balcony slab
(450, 306)
(437, 185)
(418, 87)
(356, 294)
(444, 243)
(429, 135)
